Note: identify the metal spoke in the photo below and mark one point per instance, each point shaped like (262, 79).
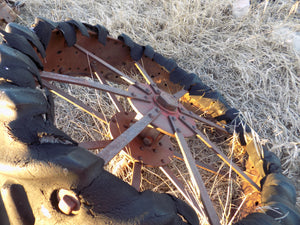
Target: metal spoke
(194, 173)
(201, 119)
(127, 136)
(147, 78)
(92, 145)
(144, 73)
(136, 175)
(107, 65)
(142, 88)
(112, 97)
(75, 102)
(91, 84)
(180, 93)
(149, 81)
(220, 154)
(201, 165)
(187, 196)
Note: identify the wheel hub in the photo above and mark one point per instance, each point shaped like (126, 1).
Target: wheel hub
(169, 105)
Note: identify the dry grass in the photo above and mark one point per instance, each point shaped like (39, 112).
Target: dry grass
(249, 60)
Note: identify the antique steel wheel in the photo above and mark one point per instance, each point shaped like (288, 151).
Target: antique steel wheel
(160, 105)
(158, 109)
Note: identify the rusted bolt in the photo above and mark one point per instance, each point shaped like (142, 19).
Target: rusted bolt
(147, 141)
(68, 202)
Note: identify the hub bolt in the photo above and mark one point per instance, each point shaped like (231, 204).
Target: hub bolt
(147, 141)
(68, 202)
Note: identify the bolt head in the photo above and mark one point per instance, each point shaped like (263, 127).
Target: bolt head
(68, 202)
(147, 141)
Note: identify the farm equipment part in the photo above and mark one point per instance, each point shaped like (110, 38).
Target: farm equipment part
(165, 102)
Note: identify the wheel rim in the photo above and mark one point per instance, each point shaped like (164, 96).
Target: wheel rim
(159, 110)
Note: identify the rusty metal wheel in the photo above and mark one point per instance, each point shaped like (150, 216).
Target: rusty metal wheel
(157, 105)
(159, 109)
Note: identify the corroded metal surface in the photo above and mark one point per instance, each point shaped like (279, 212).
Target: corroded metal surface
(148, 147)
(162, 104)
(161, 123)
